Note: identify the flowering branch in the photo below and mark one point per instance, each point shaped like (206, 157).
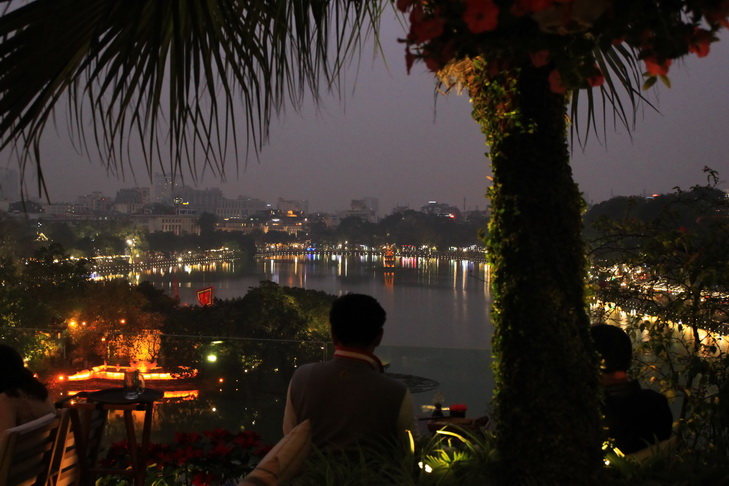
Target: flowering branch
(561, 34)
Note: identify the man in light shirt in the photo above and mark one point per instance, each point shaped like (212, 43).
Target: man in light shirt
(349, 400)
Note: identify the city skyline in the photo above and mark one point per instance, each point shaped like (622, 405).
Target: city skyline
(392, 139)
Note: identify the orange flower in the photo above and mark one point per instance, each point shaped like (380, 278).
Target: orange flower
(699, 42)
(539, 58)
(596, 79)
(481, 15)
(555, 82)
(657, 68)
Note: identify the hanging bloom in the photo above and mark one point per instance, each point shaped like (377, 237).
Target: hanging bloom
(424, 28)
(540, 58)
(656, 68)
(409, 59)
(481, 15)
(436, 59)
(404, 5)
(699, 42)
(596, 79)
(555, 82)
(718, 14)
(523, 7)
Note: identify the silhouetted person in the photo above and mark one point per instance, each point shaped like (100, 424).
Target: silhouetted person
(22, 397)
(349, 400)
(635, 417)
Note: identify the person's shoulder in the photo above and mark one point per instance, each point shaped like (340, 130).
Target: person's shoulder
(654, 396)
(7, 402)
(307, 368)
(393, 382)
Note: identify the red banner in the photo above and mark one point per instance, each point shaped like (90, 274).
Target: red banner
(205, 296)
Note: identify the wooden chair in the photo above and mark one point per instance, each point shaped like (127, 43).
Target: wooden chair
(66, 467)
(26, 451)
(76, 459)
(88, 421)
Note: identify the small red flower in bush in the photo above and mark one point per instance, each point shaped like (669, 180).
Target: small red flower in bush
(218, 435)
(202, 479)
(220, 450)
(187, 438)
(247, 439)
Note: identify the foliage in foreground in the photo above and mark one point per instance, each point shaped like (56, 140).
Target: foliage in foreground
(211, 458)
(662, 272)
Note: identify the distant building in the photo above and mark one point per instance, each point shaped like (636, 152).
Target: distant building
(239, 208)
(198, 200)
(168, 223)
(297, 206)
(93, 203)
(131, 201)
(360, 208)
(371, 203)
(440, 209)
(9, 185)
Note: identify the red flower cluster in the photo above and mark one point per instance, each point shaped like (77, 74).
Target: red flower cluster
(210, 458)
(560, 35)
(480, 15)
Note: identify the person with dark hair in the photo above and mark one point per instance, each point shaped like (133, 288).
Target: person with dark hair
(635, 417)
(22, 397)
(348, 400)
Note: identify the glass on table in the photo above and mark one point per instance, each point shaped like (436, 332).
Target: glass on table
(133, 384)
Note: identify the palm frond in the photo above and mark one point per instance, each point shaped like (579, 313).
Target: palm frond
(168, 75)
(620, 95)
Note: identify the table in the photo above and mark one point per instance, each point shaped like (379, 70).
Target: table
(113, 399)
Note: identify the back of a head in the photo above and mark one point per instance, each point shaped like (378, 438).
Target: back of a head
(614, 346)
(14, 376)
(357, 319)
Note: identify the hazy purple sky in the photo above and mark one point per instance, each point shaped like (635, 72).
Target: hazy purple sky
(392, 140)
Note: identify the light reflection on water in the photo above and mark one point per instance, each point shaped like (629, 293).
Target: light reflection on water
(429, 302)
(438, 328)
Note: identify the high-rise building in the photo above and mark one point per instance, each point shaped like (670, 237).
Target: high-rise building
(162, 188)
(372, 203)
(198, 200)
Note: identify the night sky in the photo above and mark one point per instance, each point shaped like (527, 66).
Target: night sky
(392, 139)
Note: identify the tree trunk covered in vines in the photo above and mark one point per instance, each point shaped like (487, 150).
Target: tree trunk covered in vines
(546, 377)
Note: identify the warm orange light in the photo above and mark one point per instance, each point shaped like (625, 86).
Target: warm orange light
(72, 324)
(183, 394)
(61, 377)
(117, 373)
(220, 380)
(122, 321)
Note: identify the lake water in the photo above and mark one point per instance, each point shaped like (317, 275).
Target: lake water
(429, 302)
(437, 329)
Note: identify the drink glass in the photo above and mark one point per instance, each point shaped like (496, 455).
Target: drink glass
(133, 384)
